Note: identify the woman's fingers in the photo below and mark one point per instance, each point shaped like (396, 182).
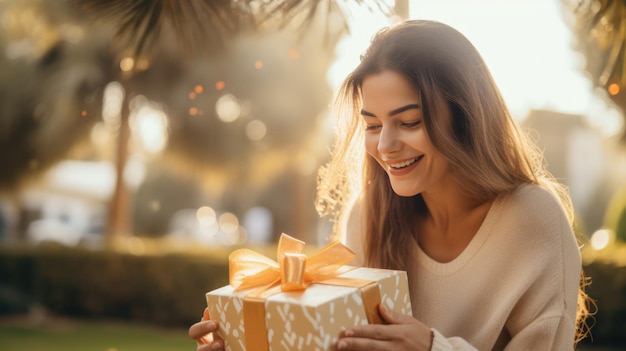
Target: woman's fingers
(356, 344)
(205, 314)
(206, 347)
(216, 345)
(203, 333)
(201, 329)
(393, 317)
(402, 332)
(370, 331)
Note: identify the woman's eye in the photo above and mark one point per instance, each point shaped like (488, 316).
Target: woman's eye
(371, 127)
(411, 124)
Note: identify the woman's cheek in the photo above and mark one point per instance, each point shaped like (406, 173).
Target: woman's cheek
(371, 144)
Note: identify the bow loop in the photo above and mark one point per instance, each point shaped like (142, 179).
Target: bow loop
(293, 271)
(248, 269)
(328, 262)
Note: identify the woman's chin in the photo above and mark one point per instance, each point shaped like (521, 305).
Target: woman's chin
(404, 192)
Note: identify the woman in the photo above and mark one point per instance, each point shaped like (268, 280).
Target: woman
(433, 177)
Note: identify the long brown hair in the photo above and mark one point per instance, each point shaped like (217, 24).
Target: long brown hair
(482, 142)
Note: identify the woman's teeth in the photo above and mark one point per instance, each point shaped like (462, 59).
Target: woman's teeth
(403, 164)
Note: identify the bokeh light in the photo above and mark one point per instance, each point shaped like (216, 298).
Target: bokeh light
(112, 105)
(238, 237)
(99, 135)
(206, 216)
(149, 123)
(228, 222)
(601, 239)
(228, 108)
(135, 245)
(142, 64)
(127, 64)
(207, 221)
(256, 130)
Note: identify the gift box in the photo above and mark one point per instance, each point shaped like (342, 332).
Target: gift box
(301, 303)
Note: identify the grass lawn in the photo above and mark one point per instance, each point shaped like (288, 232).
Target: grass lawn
(66, 335)
(57, 334)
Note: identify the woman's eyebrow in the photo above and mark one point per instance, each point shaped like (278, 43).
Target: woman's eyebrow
(393, 112)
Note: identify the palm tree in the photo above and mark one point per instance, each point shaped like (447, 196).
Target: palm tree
(175, 37)
(599, 28)
(204, 28)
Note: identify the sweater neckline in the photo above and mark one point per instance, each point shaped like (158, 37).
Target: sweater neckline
(447, 268)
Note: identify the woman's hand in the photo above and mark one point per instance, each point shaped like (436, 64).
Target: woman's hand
(203, 333)
(401, 333)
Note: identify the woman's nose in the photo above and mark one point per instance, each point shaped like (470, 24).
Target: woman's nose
(388, 141)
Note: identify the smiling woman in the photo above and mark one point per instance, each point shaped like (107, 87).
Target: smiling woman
(431, 175)
(448, 188)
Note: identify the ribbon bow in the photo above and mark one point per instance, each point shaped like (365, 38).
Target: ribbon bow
(293, 271)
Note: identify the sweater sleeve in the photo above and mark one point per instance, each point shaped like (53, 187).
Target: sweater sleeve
(550, 333)
(441, 343)
(544, 334)
(544, 317)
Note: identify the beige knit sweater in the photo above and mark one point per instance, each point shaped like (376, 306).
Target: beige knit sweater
(514, 287)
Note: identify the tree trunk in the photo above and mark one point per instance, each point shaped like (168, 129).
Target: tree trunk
(119, 207)
(402, 9)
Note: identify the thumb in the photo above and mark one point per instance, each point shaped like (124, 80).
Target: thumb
(205, 314)
(392, 317)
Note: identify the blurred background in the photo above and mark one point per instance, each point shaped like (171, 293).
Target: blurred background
(142, 141)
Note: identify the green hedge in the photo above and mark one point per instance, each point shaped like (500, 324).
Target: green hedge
(608, 290)
(163, 289)
(168, 289)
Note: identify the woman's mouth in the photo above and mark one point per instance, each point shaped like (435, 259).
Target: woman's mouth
(404, 164)
(398, 169)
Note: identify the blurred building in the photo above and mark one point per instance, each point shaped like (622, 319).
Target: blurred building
(67, 205)
(579, 157)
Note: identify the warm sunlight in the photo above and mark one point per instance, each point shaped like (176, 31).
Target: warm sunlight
(534, 65)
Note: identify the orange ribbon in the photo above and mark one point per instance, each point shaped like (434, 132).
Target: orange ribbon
(293, 271)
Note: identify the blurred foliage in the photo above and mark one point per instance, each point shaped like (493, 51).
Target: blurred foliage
(160, 196)
(164, 289)
(615, 218)
(620, 229)
(51, 75)
(208, 26)
(57, 60)
(599, 28)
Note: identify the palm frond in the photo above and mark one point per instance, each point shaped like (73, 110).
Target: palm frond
(206, 26)
(601, 35)
(599, 28)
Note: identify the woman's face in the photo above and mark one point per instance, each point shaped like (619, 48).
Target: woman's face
(396, 137)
